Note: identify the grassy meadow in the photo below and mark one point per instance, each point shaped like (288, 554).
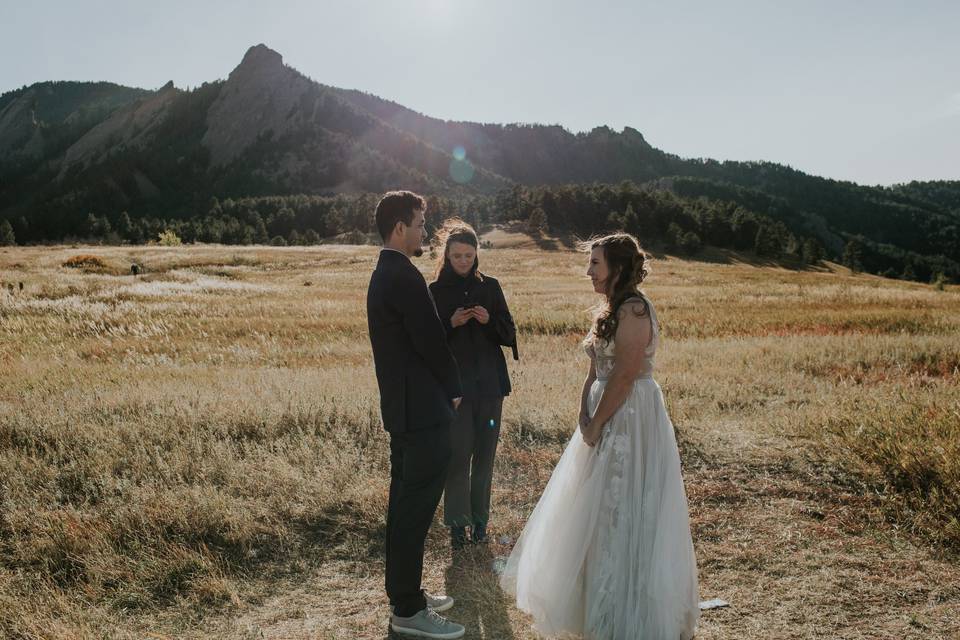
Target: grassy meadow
(195, 451)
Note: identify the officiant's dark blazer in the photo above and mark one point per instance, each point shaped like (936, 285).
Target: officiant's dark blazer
(416, 371)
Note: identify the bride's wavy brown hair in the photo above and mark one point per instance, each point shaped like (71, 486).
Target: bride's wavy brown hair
(450, 231)
(627, 265)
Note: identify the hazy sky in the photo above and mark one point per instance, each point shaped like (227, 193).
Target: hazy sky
(858, 90)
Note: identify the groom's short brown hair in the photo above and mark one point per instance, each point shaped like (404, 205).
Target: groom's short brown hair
(397, 206)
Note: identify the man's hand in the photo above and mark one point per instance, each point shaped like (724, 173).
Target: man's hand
(481, 314)
(460, 317)
(456, 402)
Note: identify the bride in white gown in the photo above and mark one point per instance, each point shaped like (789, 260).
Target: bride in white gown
(607, 552)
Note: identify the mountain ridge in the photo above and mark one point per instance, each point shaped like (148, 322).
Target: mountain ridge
(68, 150)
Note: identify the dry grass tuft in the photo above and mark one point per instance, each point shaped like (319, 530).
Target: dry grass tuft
(912, 449)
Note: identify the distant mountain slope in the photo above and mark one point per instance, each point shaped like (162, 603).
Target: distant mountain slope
(68, 150)
(40, 121)
(942, 193)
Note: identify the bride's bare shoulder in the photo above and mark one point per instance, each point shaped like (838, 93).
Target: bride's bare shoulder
(638, 307)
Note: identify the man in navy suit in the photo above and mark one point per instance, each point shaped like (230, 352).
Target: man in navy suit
(419, 393)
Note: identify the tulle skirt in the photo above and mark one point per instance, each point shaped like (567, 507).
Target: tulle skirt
(607, 552)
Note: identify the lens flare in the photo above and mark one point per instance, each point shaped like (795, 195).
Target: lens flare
(459, 153)
(461, 171)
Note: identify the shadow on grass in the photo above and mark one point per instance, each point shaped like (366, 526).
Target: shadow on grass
(714, 255)
(340, 531)
(562, 242)
(481, 606)
(554, 243)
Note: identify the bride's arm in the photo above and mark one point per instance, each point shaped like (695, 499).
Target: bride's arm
(584, 417)
(633, 335)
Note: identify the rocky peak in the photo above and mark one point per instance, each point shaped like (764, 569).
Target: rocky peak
(630, 132)
(259, 59)
(258, 97)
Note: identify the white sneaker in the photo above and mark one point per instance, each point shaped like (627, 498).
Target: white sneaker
(427, 623)
(438, 603)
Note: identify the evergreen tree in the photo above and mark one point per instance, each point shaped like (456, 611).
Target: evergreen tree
(812, 252)
(674, 237)
(690, 243)
(537, 222)
(138, 232)
(7, 237)
(96, 227)
(21, 229)
(793, 246)
(745, 228)
(281, 224)
(311, 237)
(259, 231)
(630, 221)
(90, 225)
(853, 255)
(766, 242)
(124, 225)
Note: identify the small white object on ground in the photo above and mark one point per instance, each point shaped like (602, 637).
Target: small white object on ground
(716, 603)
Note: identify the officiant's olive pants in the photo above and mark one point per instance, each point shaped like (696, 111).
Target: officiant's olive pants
(474, 436)
(418, 469)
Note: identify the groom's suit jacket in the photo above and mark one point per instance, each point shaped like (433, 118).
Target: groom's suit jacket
(416, 371)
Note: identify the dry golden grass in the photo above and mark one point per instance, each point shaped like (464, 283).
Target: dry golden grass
(195, 452)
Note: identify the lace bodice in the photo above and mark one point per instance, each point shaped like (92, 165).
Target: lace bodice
(602, 351)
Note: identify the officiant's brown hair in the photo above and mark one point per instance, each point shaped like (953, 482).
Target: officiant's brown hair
(397, 206)
(455, 230)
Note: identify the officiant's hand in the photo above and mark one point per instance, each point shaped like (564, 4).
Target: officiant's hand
(481, 314)
(460, 317)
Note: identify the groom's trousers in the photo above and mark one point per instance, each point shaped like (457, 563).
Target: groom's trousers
(418, 471)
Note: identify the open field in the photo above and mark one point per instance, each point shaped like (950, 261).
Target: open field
(195, 451)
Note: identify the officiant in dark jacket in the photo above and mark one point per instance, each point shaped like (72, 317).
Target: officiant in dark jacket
(478, 324)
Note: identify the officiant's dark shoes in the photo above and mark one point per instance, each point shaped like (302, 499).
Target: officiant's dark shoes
(479, 533)
(458, 538)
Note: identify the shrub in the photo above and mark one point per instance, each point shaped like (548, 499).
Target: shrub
(85, 261)
(169, 238)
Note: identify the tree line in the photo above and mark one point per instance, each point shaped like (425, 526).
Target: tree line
(662, 219)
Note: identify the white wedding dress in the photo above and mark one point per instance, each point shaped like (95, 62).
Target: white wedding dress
(607, 552)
